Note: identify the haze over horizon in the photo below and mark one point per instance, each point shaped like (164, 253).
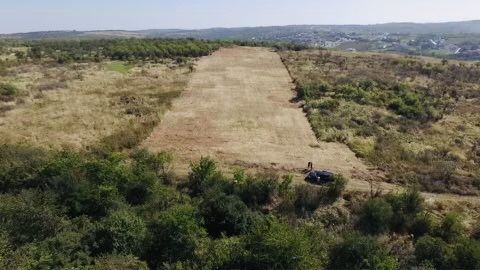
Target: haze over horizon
(87, 15)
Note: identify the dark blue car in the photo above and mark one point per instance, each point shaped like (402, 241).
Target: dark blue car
(319, 177)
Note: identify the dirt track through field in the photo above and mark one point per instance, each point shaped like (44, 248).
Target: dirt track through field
(237, 109)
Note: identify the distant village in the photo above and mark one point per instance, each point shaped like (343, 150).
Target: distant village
(431, 45)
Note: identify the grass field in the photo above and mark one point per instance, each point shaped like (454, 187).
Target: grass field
(82, 105)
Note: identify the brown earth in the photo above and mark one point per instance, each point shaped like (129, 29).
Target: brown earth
(237, 109)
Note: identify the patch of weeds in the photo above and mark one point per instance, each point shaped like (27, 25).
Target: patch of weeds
(8, 90)
(126, 138)
(120, 67)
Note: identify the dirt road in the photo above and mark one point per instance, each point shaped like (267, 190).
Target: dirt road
(237, 110)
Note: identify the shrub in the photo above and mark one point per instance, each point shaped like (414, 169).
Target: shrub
(202, 172)
(225, 253)
(421, 225)
(406, 206)
(66, 250)
(451, 228)
(307, 199)
(275, 245)
(121, 233)
(361, 252)
(336, 188)
(83, 186)
(159, 163)
(312, 90)
(161, 199)
(467, 255)
(19, 165)
(434, 251)
(376, 216)
(259, 190)
(29, 216)
(117, 262)
(326, 104)
(177, 235)
(224, 214)
(8, 90)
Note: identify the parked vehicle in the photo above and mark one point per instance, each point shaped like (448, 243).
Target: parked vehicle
(319, 177)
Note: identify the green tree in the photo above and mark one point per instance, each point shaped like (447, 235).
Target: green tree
(224, 214)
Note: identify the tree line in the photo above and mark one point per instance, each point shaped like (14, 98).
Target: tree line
(119, 49)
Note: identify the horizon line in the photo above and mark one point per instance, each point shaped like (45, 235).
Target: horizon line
(234, 27)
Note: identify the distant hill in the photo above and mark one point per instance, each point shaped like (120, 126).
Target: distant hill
(262, 33)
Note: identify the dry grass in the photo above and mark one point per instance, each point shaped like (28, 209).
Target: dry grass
(437, 154)
(80, 104)
(237, 110)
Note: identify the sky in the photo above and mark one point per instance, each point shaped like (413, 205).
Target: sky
(41, 15)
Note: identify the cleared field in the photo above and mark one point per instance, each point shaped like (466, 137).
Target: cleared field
(237, 109)
(78, 105)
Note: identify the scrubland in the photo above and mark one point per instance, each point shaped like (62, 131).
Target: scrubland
(415, 118)
(78, 191)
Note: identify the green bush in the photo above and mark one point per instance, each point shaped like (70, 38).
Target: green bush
(224, 214)
(117, 262)
(434, 251)
(201, 175)
(176, 235)
(361, 252)
(406, 206)
(467, 255)
(19, 166)
(30, 216)
(122, 232)
(421, 225)
(375, 216)
(307, 199)
(259, 190)
(274, 245)
(336, 188)
(312, 90)
(8, 89)
(326, 104)
(451, 228)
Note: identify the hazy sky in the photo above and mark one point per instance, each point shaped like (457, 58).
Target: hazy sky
(39, 15)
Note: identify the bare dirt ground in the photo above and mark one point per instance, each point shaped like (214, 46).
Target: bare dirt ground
(237, 109)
